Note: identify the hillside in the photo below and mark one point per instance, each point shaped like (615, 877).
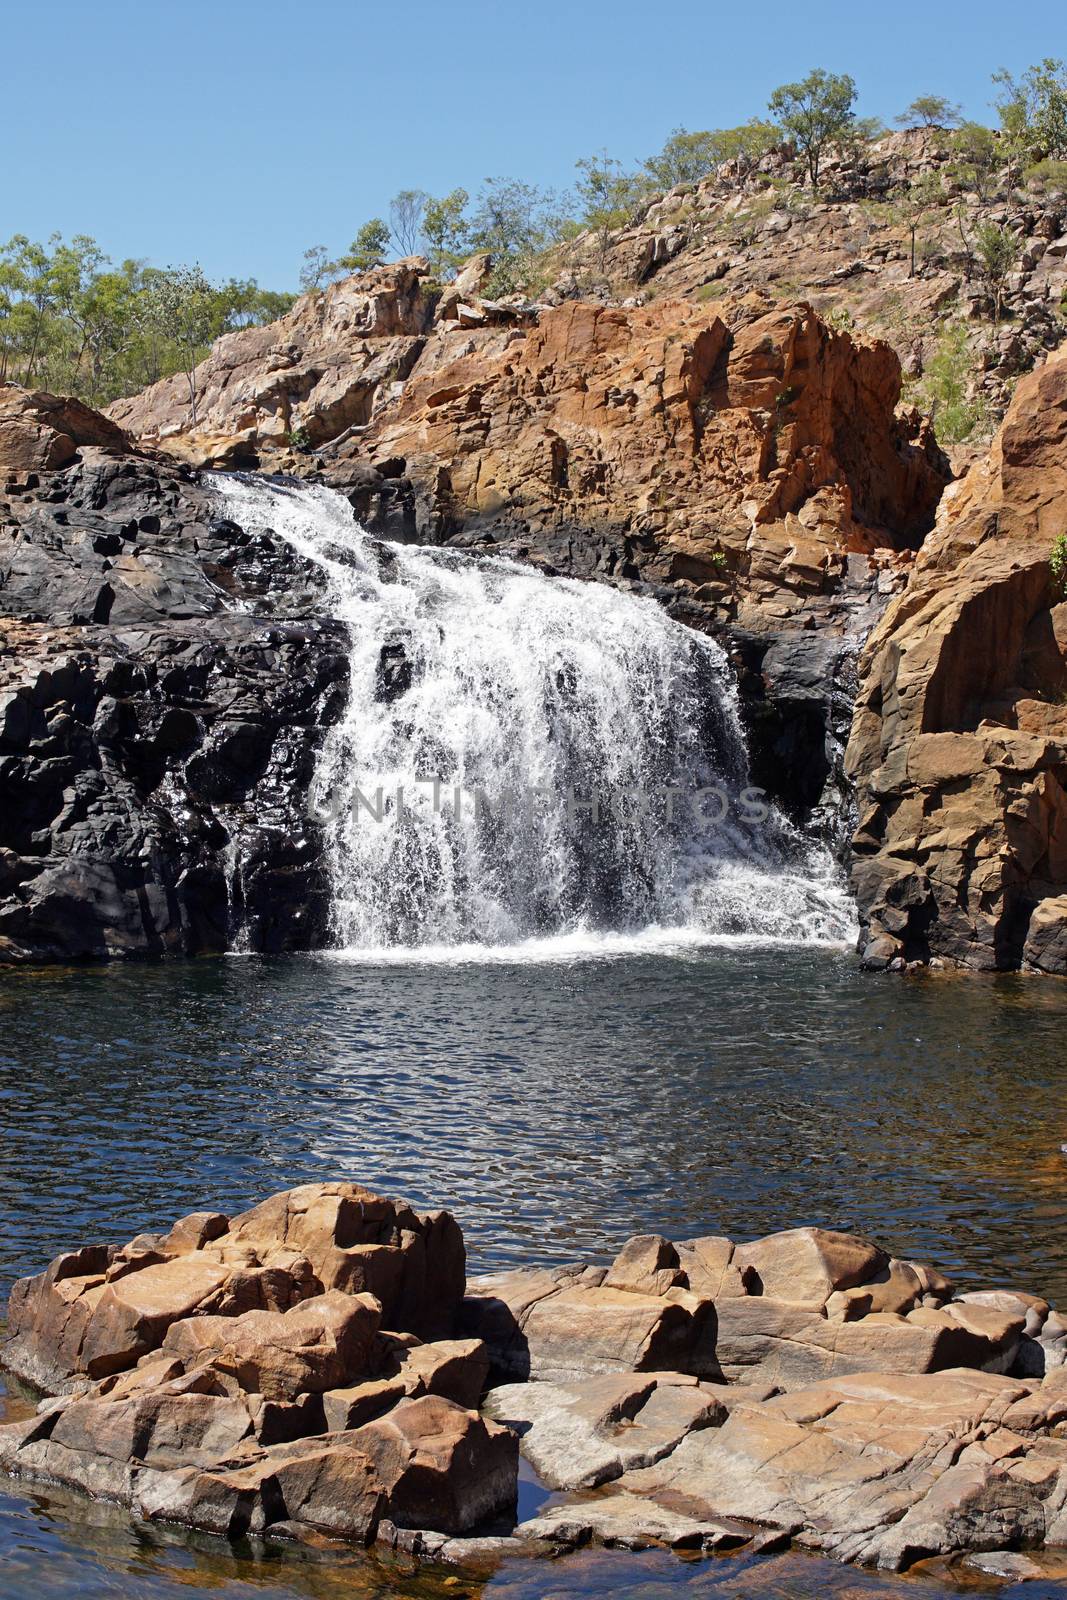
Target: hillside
(850, 251)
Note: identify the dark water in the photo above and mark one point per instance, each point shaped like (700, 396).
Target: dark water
(555, 1109)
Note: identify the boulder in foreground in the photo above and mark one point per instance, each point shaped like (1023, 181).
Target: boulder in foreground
(278, 1369)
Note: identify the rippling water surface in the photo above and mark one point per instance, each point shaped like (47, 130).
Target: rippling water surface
(556, 1107)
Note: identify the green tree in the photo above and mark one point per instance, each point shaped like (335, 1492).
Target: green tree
(915, 205)
(977, 157)
(241, 303)
(815, 112)
(316, 268)
(182, 307)
(446, 231)
(368, 249)
(515, 222)
(746, 145)
(930, 111)
(30, 278)
(944, 388)
(685, 158)
(1033, 110)
(607, 195)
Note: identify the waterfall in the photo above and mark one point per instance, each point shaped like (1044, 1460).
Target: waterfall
(526, 759)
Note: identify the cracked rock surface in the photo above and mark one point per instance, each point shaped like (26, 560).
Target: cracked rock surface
(318, 1366)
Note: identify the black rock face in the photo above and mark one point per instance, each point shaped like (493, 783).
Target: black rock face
(166, 679)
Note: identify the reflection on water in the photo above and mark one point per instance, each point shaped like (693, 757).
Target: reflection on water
(57, 1544)
(555, 1109)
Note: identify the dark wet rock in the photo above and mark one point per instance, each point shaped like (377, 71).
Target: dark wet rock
(158, 726)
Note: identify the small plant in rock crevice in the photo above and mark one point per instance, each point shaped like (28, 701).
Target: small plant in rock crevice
(1057, 560)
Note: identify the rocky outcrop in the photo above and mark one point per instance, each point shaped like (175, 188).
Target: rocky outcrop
(887, 247)
(299, 1371)
(792, 1309)
(731, 455)
(40, 432)
(741, 462)
(289, 1368)
(691, 447)
(804, 1386)
(165, 680)
(322, 368)
(881, 1469)
(959, 743)
(98, 1311)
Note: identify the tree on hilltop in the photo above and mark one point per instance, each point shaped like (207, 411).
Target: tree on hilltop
(446, 230)
(930, 111)
(688, 157)
(368, 249)
(815, 113)
(608, 195)
(1033, 110)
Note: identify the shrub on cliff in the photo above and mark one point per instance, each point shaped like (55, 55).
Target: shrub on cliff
(977, 155)
(997, 250)
(943, 390)
(1057, 560)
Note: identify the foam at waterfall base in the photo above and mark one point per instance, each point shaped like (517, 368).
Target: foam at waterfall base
(489, 707)
(567, 949)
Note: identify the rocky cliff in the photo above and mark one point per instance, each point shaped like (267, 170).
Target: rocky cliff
(959, 743)
(888, 247)
(742, 461)
(164, 680)
(735, 452)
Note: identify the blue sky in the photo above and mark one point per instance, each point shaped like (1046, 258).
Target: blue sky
(239, 133)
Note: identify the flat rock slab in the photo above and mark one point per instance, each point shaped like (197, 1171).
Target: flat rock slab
(578, 1438)
(634, 1523)
(883, 1468)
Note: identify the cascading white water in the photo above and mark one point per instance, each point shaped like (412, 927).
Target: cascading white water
(526, 759)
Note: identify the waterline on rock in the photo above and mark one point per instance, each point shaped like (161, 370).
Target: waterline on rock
(604, 738)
